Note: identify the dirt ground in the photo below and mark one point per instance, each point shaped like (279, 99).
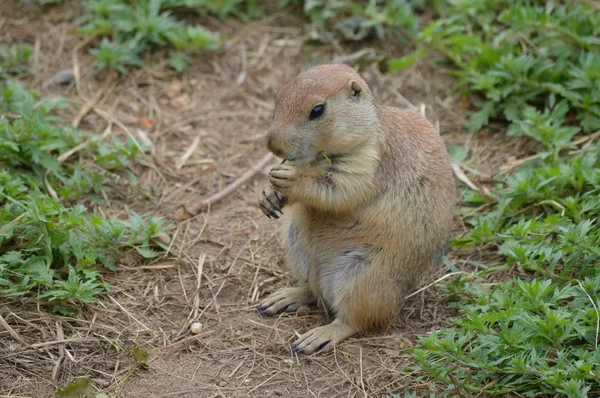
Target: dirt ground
(224, 260)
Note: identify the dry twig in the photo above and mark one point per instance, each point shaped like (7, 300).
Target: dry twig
(519, 162)
(12, 332)
(188, 153)
(91, 102)
(196, 208)
(60, 335)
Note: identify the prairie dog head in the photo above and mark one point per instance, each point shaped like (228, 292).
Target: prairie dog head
(328, 108)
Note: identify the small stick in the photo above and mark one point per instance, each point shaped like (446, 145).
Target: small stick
(433, 283)
(75, 61)
(181, 282)
(66, 155)
(36, 53)
(188, 153)
(263, 383)
(193, 315)
(90, 103)
(61, 351)
(462, 177)
(54, 342)
(242, 76)
(201, 260)
(595, 308)
(231, 188)
(519, 162)
(129, 313)
(110, 117)
(12, 332)
(230, 270)
(4, 228)
(362, 380)
(49, 188)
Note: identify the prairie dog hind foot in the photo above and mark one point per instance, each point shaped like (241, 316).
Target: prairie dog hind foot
(323, 338)
(288, 299)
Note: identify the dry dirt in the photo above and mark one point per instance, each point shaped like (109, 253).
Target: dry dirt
(224, 260)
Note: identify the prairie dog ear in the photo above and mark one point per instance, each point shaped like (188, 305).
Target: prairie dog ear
(355, 89)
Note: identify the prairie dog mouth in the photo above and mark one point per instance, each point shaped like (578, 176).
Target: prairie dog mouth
(298, 159)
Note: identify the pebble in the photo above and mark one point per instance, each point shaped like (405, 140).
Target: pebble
(196, 327)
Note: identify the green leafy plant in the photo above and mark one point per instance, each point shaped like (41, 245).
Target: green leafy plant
(130, 28)
(533, 64)
(31, 142)
(78, 388)
(118, 55)
(46, 248)
(532, 336)
(14, 59)
(244, 10)
(47, 245)
(518, 54)
(186, 38)
(179, 61)
(371, 14)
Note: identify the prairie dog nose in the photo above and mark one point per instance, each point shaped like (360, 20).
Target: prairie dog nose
(272, 143)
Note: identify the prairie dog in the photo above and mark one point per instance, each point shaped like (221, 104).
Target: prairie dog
(369, 201)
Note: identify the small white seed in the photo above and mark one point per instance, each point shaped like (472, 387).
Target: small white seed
(196, 327)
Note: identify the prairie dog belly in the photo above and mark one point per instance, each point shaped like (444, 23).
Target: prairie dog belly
(326, 250)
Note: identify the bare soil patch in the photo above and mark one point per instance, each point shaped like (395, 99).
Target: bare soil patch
(221, 106)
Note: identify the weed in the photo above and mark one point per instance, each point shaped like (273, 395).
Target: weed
(80, 387)
(179, 61)
(45, 247)
(372, 14)
(129, 28)
(535, 64)
(244, 10)
(518, 54)
(533, 336)
(14, 59)
(134, 27)
(118, 55)
(31, 142)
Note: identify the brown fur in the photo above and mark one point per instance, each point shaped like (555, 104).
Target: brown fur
(361, 231)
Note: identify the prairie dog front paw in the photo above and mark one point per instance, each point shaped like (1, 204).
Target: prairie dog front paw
(270, 201)
(283, 177)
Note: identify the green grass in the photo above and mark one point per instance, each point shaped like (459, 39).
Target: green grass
(47, 248)
(535, 335)
(519, 53)
(129, 28)
(370, 14)
(535, 67)
(14, 59)
(31, 140)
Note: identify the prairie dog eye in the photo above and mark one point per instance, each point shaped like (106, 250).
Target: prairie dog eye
(317, 112)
